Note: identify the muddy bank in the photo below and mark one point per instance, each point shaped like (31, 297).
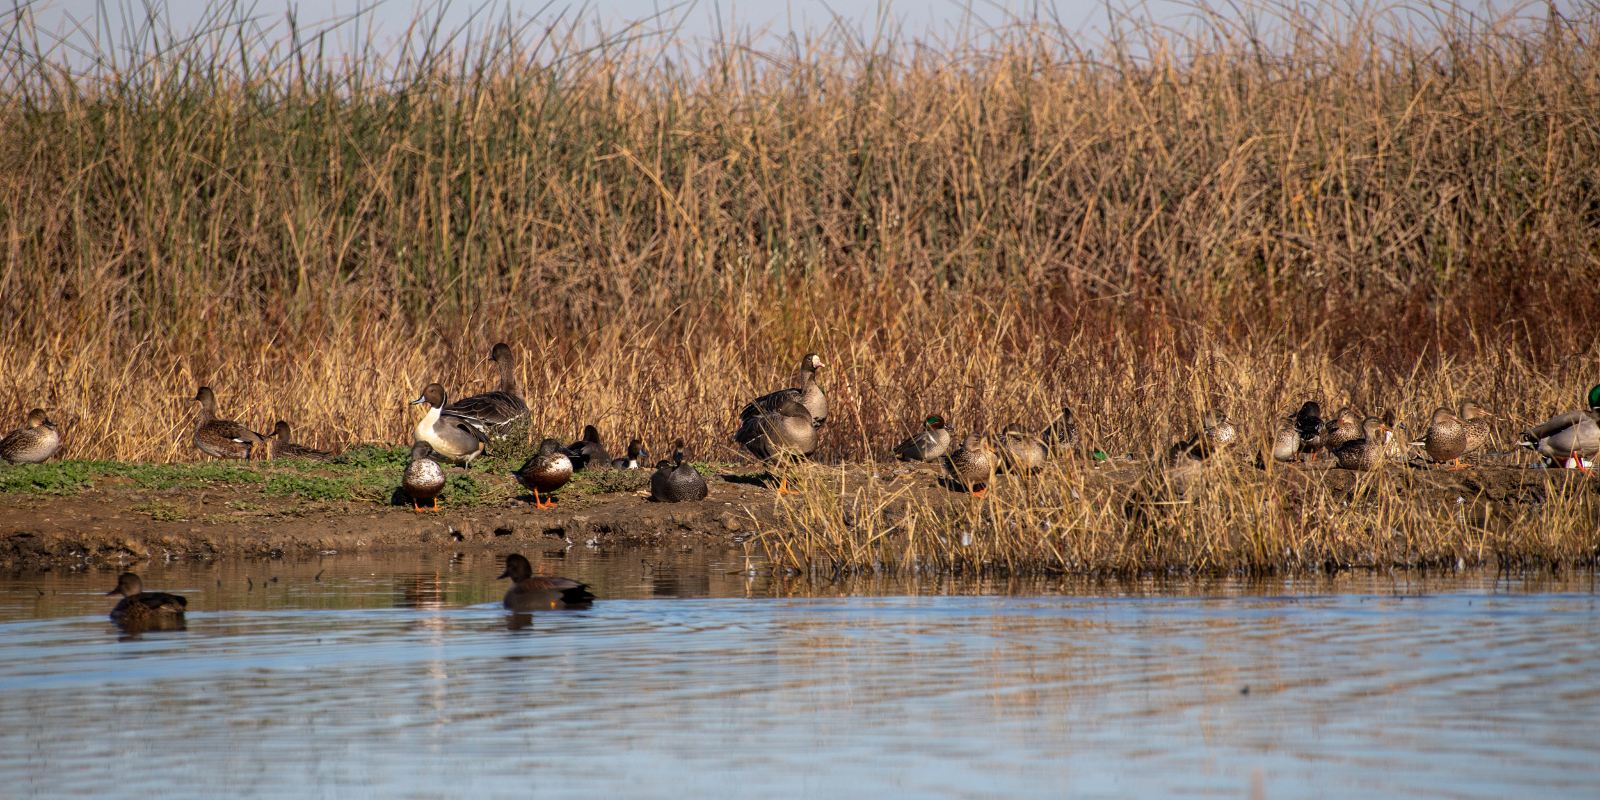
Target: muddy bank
(115, 524)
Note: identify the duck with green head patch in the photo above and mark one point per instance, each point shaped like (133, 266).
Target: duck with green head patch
(928, 445)
(32, 443)
(1568, 439)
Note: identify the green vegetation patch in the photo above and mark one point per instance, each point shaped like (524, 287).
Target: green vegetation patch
(58, 477)
(309, 487)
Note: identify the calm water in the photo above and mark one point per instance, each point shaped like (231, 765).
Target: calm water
(401, 678)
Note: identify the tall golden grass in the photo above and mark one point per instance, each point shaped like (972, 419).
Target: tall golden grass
(985, 227)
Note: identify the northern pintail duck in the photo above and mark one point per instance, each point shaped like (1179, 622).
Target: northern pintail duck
(530, 592)
(971, 465)
(498, 412)
(33, 442)
(588, 451)
(1567, 439)
(283, 446)
(545, 472)
(1345, 427)
(928, 445)
(423, 478)
(451, 435)
(808, 393)
(1445, 439)
(1479, 423)
(1367, 452)
(677, 481)
(1061, 436)
(223, 438)
(635, 458)
(139, 607)
(1020, 451)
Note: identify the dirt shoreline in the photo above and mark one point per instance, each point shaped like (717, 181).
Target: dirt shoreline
(118, 525)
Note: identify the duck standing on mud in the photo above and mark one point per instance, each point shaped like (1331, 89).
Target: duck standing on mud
(807, 393)
(545, 472)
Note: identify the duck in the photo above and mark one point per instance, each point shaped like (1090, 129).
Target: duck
(635, 458)
(808, 393)
(1366, 453)
(782, 433)
(1216, 433)
(1445, 439)
(928, 445)
(1567, 439)
(222, 438)
(1479, 424)
(453, 437)
(1346, 427)
(972, 465)
(545, 471)
(423, 478)
(676, 481)
(496, 413)
(139, 607)
(1286, 441)
(34, 442)
(1311, 427)
(1061, 436)
(282, 446)
(588, 451)
(1020, 451)
(531, 592)
(1396, 438)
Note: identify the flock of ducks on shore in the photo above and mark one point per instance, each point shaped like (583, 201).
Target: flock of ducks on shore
(783, 426)
(140, 610)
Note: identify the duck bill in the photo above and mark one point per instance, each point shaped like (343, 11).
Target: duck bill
(504, 575)
(114, 592)
(419, 401)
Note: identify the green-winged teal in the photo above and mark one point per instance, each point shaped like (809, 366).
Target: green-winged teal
(808, 393)
(450, 435)
(223, 438)
(677, 481)
(499, 412)
(1020, 451)
(1568, 439)
(139, 607)
(1061, 436)
(423, 478)
(1366, 453)
(635, 458)
(928, 445)
(971, 465)
(530, 592)
(33, 442)
(1445, 439)
(545, 472)
(588, 451)
(283, 446)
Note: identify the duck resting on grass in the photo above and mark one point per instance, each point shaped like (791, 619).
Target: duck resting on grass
(451, 435)
(545, 472)
(283, 446)
(634, 459)
(677, 481)
(223, 438)
(971, 465)
(33, 443)
(929, 444)
(1568, 439)
(495, 413)
(530, 592)
(588, 451)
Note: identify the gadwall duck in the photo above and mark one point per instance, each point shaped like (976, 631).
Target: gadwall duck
(1345, 427)
(588, 451)
(1567, 439)
(1479, 424)
(932, 443)
(971, 465)
(545, 472)
(32, 443)
(452, 436)
(1445, 439)
(808, 393)
(530, 592)
(283, 446)
(139, 607)
(423, 478)
(677, 481)
(499, 412)
(1020, 451)
(1061, 436)
(222, 438)
(1367, 452)
(635, 458)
